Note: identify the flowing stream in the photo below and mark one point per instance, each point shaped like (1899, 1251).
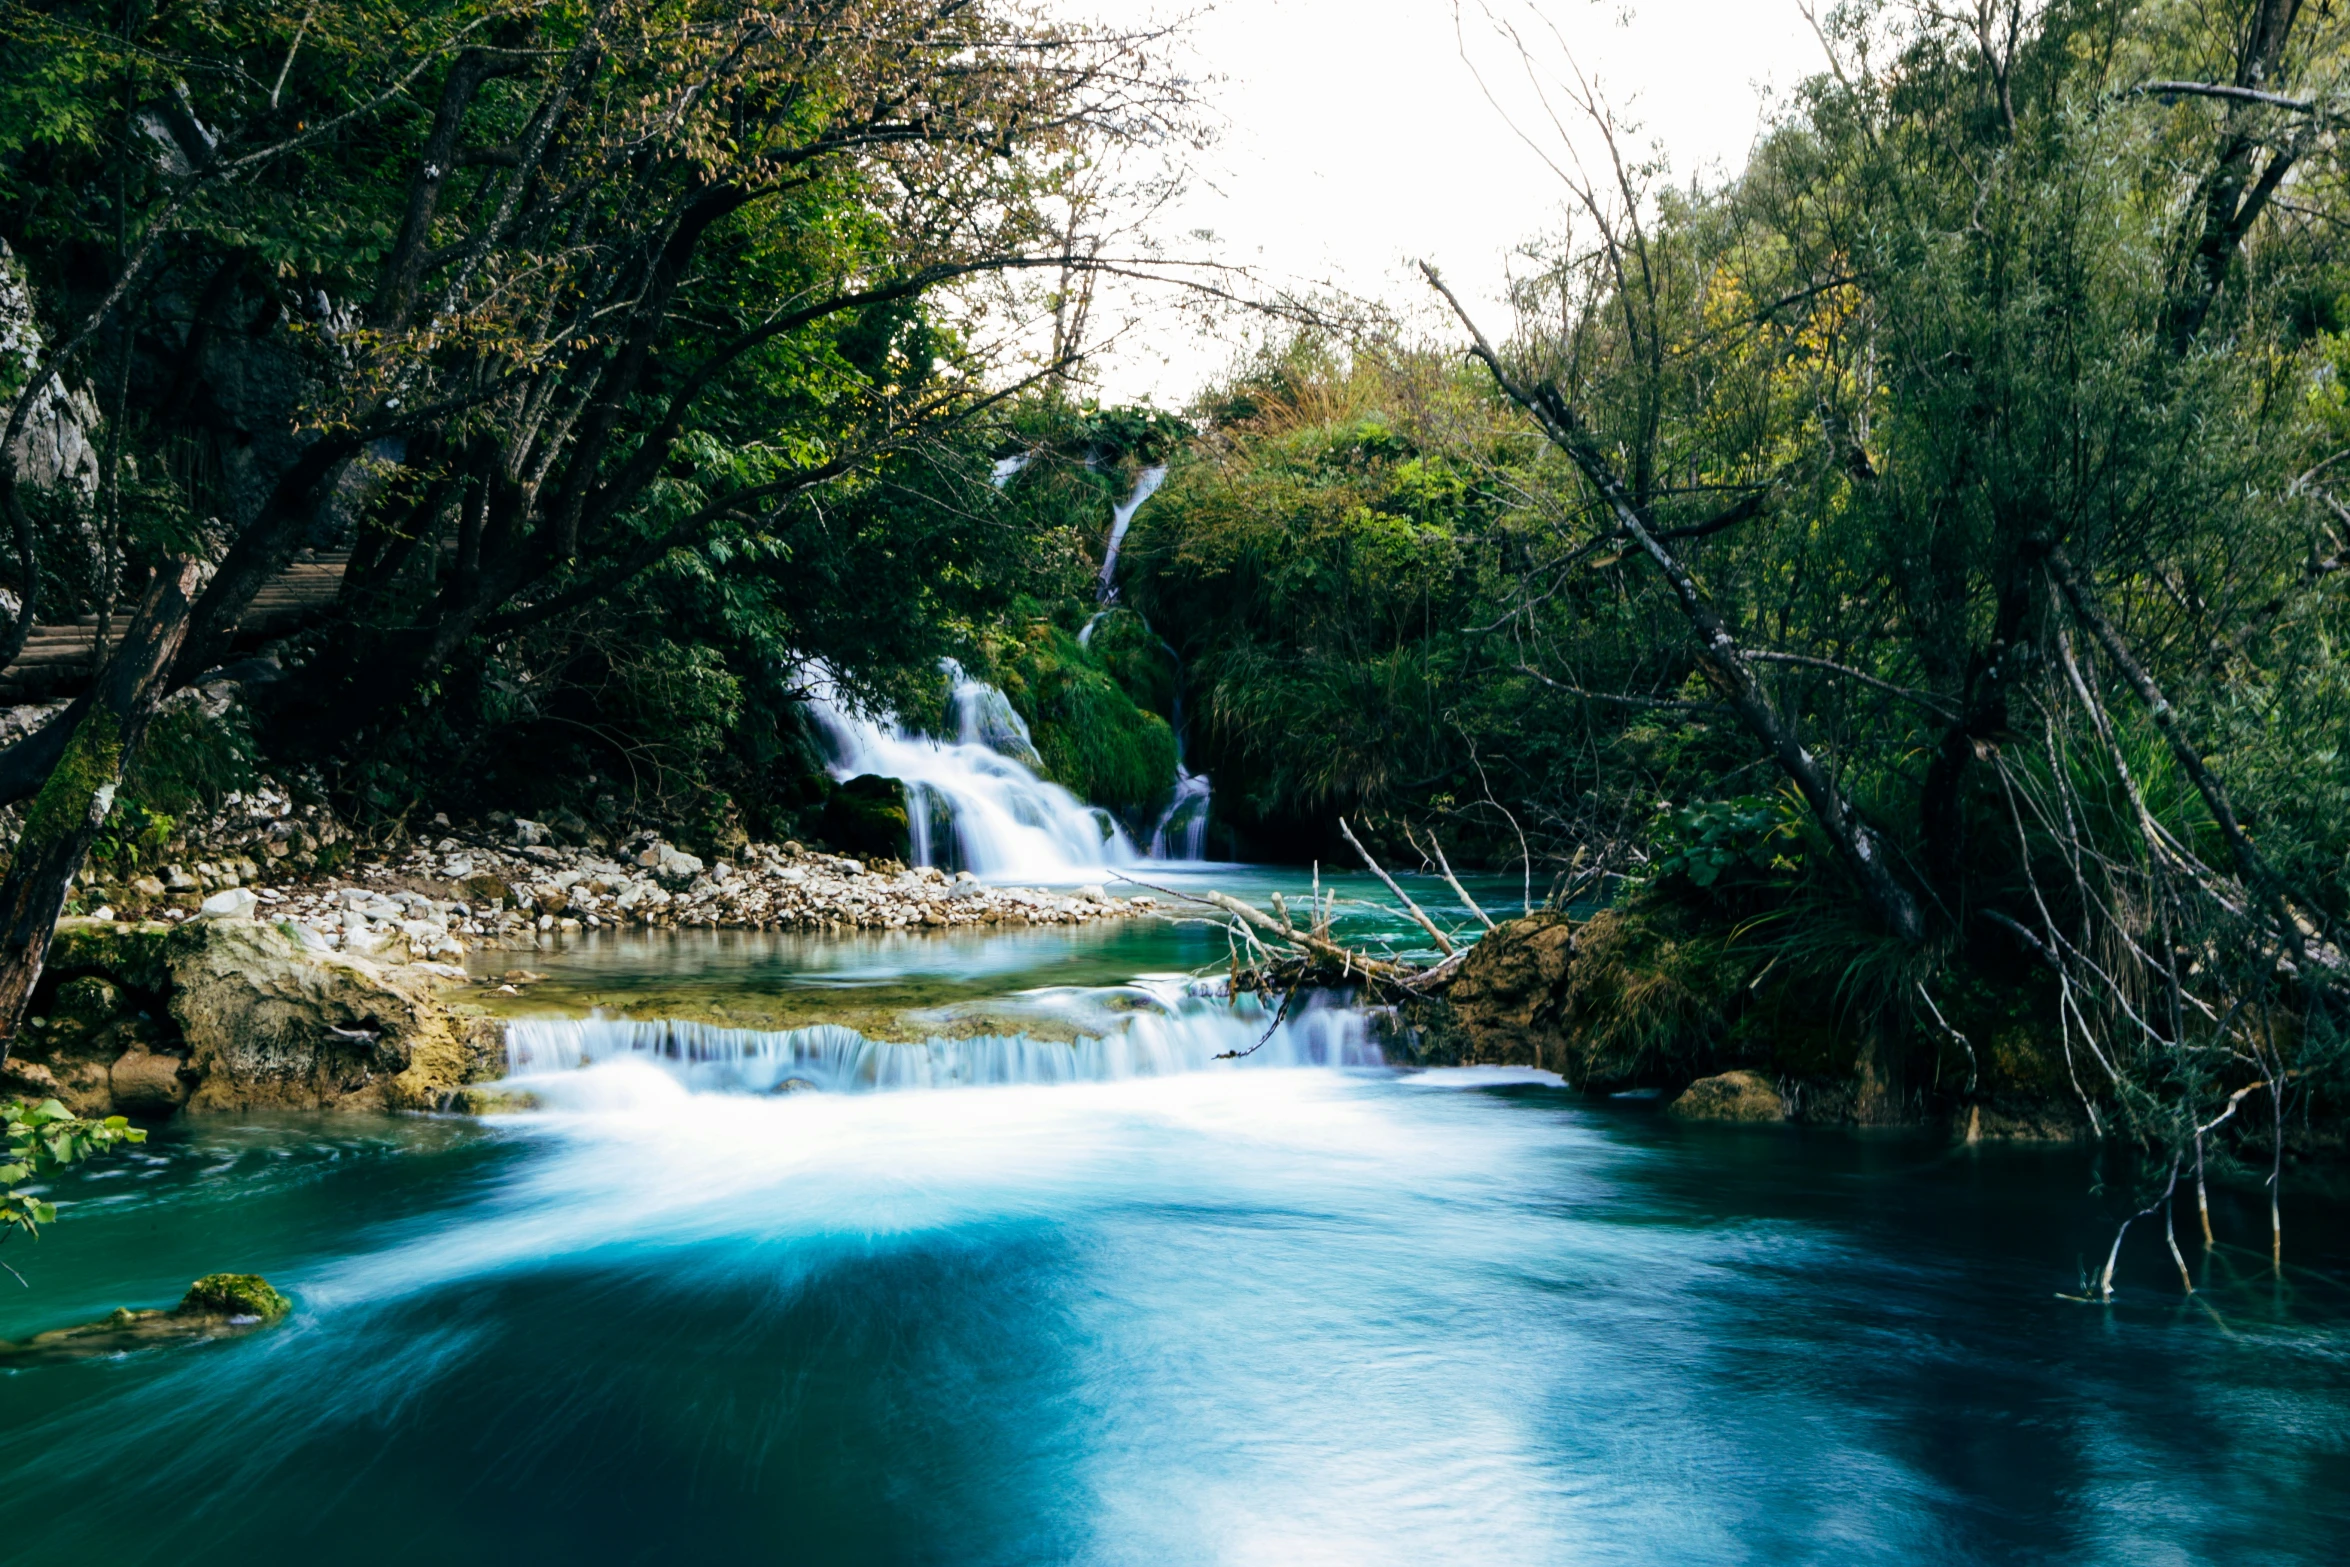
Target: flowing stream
(1138, 1305)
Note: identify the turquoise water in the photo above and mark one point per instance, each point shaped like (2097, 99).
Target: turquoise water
(1234, 1315)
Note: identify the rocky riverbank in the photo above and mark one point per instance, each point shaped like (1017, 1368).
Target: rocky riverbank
(514, 882)
(222, 1012)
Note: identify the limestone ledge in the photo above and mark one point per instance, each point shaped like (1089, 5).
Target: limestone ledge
(226, 1013)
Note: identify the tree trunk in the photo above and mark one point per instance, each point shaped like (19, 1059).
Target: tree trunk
(1880, 1097)
(1723, 661)
(64, 818)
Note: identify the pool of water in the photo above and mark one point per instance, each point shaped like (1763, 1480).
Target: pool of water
(1234, 1314)
(914, 984)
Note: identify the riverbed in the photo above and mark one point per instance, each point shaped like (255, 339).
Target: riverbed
(1282, 1309)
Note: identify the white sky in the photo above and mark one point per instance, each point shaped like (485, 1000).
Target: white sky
(1355, 140)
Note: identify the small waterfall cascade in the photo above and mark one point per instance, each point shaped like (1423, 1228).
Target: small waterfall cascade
(1161, 1040)
(1121, 517)
(975, 802)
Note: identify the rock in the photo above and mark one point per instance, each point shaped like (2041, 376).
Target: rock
(148, 888)
(145, 1084)
(530, 834)
(91, 999)
(137, 956)
(794, 1085)
(675, 868)
(221, 1305)
(23, 1079)
(868, 813)
(483, 888)
(1508, 997)
(177, 879)
(234, 904)
(268, 1023)
(1732, 1096)
(235, 1295)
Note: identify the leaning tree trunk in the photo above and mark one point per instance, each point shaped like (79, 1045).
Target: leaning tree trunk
(63, 819)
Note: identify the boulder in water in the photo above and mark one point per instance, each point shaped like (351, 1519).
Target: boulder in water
(219, 1305)
(1731, 1096)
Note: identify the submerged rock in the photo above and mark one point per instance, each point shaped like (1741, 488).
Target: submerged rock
(1732, 1096)
(219, 1305)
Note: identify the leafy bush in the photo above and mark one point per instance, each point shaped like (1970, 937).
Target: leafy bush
(44, 1139)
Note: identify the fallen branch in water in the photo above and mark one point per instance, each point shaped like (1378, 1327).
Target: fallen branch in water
(1443, 942)
(1289, 956)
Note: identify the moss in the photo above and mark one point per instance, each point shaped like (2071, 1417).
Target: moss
(1094, 739)
(135, 956)
(234, 1295)
(1125, 646)
(90, 999)
(92, 763)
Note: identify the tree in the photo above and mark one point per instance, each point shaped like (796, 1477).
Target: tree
(524, 299)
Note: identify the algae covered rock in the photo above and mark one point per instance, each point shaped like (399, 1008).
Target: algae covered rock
(1731, 1096)
(867, 813)
(219, 1305)
(235, 1295)
(134, 955)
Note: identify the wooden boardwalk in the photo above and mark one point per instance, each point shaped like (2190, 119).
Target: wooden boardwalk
(58, 657)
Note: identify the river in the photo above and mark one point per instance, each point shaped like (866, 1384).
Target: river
(1254, 1312)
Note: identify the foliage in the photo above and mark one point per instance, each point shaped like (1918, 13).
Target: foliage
(1093, 737)
(1727, 841)
(44, 1139)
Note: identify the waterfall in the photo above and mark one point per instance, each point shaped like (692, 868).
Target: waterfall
(1157, 1039)
(1120, 517)
(974, 802)
(1182, 830)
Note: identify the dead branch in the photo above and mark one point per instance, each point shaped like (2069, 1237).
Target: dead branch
(1419, 916)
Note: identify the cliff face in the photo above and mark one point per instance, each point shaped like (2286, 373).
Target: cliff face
(233, 1014)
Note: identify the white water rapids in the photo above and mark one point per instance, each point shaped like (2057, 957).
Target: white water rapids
(1147, 1030)
(976, 802)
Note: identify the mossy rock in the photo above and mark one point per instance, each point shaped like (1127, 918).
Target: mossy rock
(219, 1305)
(235, 1295)
(1094, 739)
(137, 956)
(482, 888)
(1126, 647)
(1730, 1096)
(867, 814)
(91, 999)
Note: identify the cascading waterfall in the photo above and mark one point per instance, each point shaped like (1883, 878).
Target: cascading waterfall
(1120, 517)
(975, 802)
(1181, 832)
(1158, 1038)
